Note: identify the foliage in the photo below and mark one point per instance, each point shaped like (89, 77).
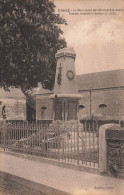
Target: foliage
(30, 35)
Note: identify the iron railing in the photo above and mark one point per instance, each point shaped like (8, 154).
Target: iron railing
(69, 142)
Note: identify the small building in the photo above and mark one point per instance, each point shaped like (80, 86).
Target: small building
(102, 97)
(13, 104)
(44, 105)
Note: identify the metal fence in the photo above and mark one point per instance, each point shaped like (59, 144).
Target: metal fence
(69, 142)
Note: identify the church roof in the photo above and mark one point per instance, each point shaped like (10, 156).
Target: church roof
(97, 80)
(11, 93)
(100, 80)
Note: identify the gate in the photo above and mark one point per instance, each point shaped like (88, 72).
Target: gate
(70, 142)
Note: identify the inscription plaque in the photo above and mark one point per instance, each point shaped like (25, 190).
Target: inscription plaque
(58, 110)
(72, 110)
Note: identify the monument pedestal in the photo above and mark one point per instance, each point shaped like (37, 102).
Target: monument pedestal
(66, 107)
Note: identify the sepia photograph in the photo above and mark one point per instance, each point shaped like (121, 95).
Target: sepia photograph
(61, 97)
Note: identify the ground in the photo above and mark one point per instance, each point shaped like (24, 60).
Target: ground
(8, 187)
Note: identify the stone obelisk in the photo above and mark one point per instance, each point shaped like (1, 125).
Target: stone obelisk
(65, 97)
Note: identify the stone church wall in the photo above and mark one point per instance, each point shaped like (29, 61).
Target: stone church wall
(105, 104)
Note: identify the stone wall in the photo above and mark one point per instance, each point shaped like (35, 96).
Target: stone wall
(105, 104)
(111, 150)
(15, 109)
(84, 112)
(44, 107)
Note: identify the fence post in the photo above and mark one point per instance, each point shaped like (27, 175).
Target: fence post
(77, 143)
(103, 145)
(4, 131)
(58, 132)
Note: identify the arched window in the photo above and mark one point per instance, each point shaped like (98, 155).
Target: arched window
(43, 108)
(81, 106)
(102, 106)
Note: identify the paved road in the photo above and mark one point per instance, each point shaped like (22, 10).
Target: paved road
(8, 187)
(58, 177)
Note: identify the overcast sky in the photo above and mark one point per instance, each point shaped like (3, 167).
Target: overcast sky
(98, 40)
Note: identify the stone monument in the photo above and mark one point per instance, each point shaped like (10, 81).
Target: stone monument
(65, 97)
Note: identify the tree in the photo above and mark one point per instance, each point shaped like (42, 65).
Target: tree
(30, 35)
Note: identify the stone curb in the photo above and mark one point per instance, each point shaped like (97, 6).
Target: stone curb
(88, 169)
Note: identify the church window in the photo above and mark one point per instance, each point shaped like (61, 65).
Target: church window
(43, 108)
(102, 106)
(81, 106)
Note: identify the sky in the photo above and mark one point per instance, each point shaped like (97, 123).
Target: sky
(98, 38)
